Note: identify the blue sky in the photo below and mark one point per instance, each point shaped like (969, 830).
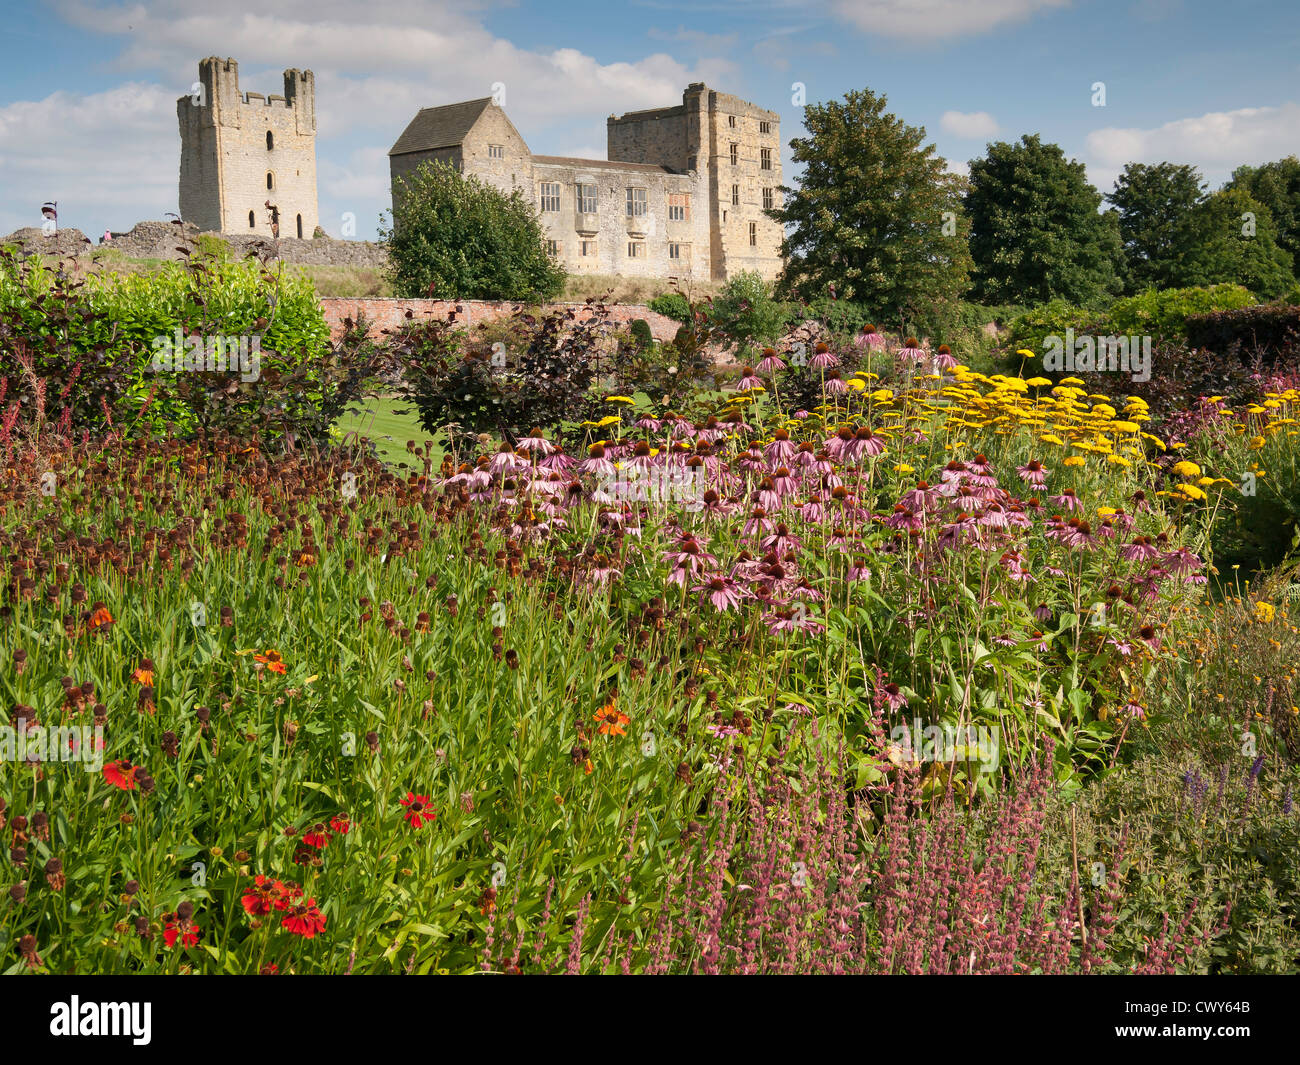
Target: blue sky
(89, 87)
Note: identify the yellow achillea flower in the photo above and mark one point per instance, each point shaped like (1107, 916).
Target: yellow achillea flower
(1074, 460)
(1190, 491)
(1187, 469)
(1265, 612)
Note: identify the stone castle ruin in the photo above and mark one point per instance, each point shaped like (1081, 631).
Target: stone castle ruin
(683, 193)
(248, 161)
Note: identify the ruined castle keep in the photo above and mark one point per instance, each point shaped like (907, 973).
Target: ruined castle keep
(241, 151)
(682, 194)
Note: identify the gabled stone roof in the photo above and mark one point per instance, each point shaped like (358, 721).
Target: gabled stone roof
(440, 127)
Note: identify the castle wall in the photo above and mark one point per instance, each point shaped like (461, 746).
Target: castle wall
(608, 233)
(200, 181)
(512, 169)
(403, 166)
(659, 136)
(744, 180)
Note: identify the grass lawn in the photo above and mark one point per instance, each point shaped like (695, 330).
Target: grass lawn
(389, 423)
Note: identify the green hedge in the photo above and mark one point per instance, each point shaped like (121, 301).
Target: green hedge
(672, 305)
(1162, 313)
(93, 339)
(1272, 330)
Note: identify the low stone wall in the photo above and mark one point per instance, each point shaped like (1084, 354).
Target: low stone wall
(32, 239)
(160, 240)
(391, 313)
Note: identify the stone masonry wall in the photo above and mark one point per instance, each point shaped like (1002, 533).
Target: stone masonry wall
(609, 235)
(159, 240)
(745, 180)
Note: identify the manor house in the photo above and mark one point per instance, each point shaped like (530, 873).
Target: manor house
(682, 194)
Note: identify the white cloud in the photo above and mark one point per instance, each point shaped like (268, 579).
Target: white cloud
(375, 66)
(974, 125)
(938, 19)
(109, 158)
(1216, 142)
(394, 55)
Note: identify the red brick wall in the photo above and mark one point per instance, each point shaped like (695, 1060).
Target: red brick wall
(390, 313)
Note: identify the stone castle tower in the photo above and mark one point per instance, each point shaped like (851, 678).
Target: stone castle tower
(734, 148)
(241, 151)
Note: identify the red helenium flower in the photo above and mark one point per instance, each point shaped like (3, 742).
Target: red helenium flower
(121, 774)
(305, 920)
(417, 809)
(174, 929)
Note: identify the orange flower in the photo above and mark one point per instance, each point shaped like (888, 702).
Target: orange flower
(272, 661)
(611, 719)
(100, 617)
(306, 558)
(142, 676)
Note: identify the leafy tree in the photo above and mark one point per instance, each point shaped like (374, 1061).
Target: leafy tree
(1277, 186)
(642, 337)
(1157, 208)
(1036, 234)
(1238, 245)
(877, 217)
(746, 312)
(457, 237)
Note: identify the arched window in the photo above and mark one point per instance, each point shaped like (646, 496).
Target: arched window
(300, 227)
(270, 140)
(270, 180)
(252, 222)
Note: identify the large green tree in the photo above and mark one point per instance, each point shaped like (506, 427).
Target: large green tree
(456, 237)
(1036, 232)
(1157, 214)
(1238, 244)
(1277, 186)
(877, 217)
